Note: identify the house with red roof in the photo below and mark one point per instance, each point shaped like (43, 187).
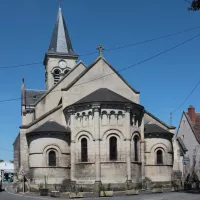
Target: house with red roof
(188, 134)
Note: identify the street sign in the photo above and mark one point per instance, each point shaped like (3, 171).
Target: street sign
(22, 172)
(186, 161)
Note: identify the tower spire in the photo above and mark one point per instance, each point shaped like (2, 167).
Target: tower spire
(60, 41)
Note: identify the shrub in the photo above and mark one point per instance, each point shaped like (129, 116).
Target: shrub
(157, 185)
(174, 184)
(41, 185)
(81, 189)
(109, 187)
(138, 186)
(101, 187)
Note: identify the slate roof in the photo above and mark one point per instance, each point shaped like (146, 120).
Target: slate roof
(50, 126)
(103, 95)
(154, 128)
(90, 67)
(195, 126)
(60, 41)
(157, 119)
(32, 96)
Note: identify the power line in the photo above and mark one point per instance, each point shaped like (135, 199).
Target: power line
(138, 63)
(188, 96)
(110, 49)
(188, 1)
(154, 39)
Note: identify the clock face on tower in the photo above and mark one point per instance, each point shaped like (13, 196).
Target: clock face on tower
(62, 64)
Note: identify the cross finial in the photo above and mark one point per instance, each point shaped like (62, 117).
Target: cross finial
(100, 48)
(23, 80)
(60, 3)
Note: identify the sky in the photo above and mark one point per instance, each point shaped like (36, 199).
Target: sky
(164, 82)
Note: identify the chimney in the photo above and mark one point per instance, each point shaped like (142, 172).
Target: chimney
(191, 113)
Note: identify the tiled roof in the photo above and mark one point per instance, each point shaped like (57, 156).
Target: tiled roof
(50, 126)
(154, 128)
(60, 41)
(103, 95)
(157, 119)
(32, 96)
(195, 125)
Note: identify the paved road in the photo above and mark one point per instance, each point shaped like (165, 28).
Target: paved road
(166, 196)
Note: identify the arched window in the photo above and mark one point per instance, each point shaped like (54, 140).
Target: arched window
(136, 152)
(113, 148)
(159, 157)
(56, 75)
(52, 159)
(84, 151)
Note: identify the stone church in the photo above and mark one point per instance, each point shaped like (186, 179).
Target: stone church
(88, 126)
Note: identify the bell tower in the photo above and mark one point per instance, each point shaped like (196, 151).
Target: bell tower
(60, 57)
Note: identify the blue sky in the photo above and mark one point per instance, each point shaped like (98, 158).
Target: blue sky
(26, 28)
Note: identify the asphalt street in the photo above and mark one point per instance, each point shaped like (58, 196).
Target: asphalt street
(164, 196)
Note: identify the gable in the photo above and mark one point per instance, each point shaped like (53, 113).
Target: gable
(99, 75)
(52, 98)
(150, 118)
(186, 134)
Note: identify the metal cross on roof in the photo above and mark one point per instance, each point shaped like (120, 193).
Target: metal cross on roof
(100, 48)
(60, 3)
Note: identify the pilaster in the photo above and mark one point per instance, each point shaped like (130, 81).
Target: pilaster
(128, 142)
(73, 143)
(142, 149)
(96, 111)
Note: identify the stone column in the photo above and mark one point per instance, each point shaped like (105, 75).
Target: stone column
(128, 142)
(96, 110)
(142, 148)
(73, 147)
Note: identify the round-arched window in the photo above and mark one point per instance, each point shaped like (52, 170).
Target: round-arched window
(159, 155)
(52, 158)
(136, 152)
(56, 74)
(84, 150)
(113, 148)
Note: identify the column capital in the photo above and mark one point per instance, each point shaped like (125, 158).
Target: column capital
(128, 108)
(96, 107)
